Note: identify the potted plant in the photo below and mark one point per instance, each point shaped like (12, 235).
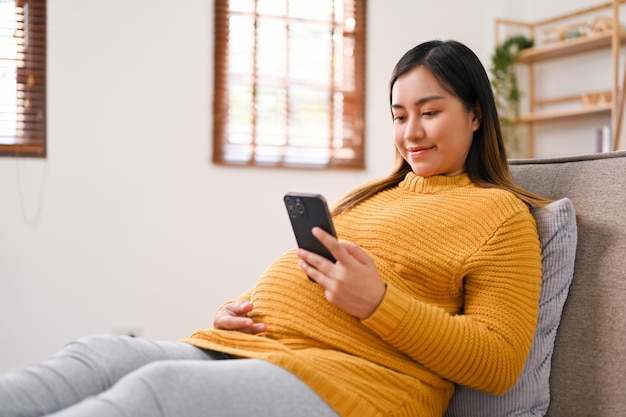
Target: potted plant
(506, 90)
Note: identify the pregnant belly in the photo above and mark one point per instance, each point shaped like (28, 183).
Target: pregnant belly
(295, 309)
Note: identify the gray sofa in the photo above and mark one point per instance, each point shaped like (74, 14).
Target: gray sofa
(588, 376)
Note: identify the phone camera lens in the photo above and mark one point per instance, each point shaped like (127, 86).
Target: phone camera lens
(299, 206)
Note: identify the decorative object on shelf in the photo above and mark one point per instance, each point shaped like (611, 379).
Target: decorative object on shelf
(561, 33)
(604, 139)
(602, 24)
(590, 99)
(504, 81)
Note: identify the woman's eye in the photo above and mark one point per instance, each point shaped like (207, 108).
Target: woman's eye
(429, 113)
(399, 117)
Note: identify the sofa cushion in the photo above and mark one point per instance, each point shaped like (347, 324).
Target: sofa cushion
(530, 396)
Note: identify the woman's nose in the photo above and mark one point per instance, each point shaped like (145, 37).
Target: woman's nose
(414, 129)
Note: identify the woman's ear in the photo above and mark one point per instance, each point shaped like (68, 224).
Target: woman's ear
(478, 117)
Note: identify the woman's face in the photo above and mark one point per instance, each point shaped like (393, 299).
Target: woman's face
(432, 129)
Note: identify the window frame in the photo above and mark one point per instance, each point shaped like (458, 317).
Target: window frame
(355, 100)
(30, 137)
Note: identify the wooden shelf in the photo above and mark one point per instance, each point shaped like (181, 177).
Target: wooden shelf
(568, 47)
(564, 114)
(603, 32)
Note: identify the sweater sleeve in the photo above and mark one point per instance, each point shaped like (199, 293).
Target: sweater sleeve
(486, 346)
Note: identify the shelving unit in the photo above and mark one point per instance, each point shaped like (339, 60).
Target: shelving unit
(607, 102)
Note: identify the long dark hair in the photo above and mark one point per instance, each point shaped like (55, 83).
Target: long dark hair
(461, 73)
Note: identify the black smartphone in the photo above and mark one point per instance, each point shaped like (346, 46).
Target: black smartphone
(305, 212)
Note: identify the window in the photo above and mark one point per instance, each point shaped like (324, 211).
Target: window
(289, 83)
(23, 78)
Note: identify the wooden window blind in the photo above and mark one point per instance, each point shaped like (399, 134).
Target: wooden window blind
(23, 78)
(289, 83)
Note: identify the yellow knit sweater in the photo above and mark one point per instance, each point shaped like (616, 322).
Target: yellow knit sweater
(462, 266)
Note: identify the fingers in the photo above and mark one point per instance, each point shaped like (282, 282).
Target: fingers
(308, 265)
(353, 283)
(227, 322)
(234, 316)
(317, 267)
(254, 328)
(332, 244)
(356, 252)
(240, 307)
(344, 252)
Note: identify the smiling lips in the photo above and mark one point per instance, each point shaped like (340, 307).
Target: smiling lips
(415, 151)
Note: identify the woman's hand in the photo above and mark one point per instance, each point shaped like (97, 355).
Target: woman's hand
(234, 316)
(352, 284)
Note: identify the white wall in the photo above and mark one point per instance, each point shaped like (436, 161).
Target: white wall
(127, 225)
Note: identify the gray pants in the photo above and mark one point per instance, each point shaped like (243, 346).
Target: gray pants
(111, 376)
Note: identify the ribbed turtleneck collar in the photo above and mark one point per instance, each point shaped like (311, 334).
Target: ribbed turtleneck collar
(434, 184)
